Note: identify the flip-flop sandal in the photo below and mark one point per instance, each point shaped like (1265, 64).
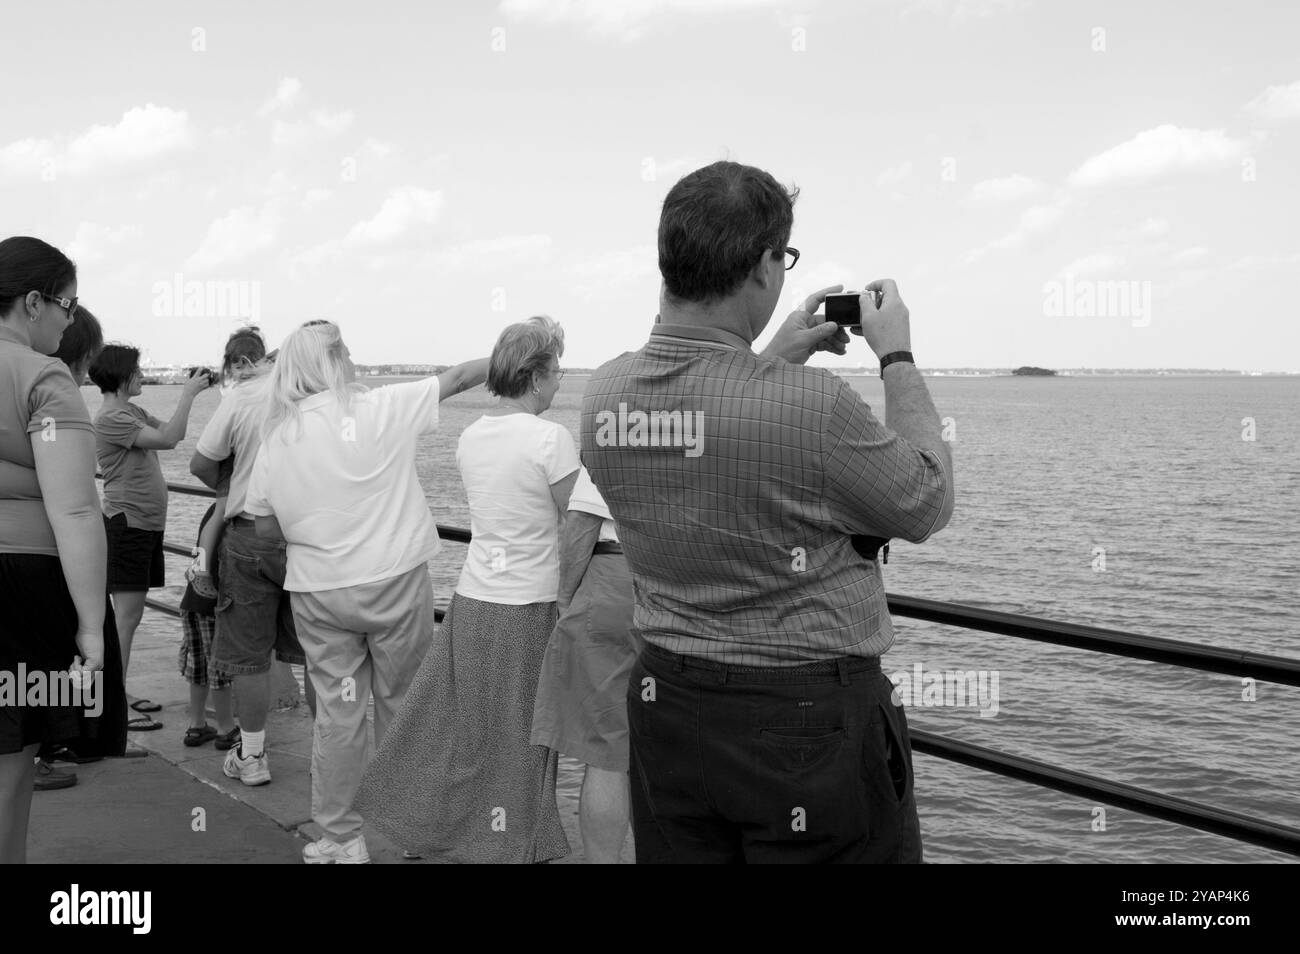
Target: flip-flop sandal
(143, 724)
(64, 754)
(227, 741)
(197, 736)
(145, 705)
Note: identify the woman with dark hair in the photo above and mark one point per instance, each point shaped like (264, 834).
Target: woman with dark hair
(127, 441)
(105, 733)
(52, 554)
(81, 344)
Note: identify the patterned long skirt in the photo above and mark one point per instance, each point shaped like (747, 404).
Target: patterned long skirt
(456, 779)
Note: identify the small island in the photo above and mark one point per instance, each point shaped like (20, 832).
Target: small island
(1034, 372)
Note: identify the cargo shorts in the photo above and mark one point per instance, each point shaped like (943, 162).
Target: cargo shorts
(254, 616)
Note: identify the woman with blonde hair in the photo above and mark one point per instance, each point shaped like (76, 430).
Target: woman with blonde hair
(335, 478)
(456, 777)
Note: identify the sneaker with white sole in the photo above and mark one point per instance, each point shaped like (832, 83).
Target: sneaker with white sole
(326, 852)
(254, 770)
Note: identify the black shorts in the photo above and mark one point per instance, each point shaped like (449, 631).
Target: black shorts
(135, 557)
(38, 631)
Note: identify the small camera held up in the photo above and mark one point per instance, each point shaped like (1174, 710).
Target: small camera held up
(844, 309)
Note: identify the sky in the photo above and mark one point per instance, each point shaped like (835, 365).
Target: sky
(1099, 184)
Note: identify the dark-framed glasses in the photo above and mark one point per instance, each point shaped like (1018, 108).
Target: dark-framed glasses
(792, 257)
(68, 304)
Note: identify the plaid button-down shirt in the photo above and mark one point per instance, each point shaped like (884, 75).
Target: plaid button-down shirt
(736, 481)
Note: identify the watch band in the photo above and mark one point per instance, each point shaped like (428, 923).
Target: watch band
(893, 356)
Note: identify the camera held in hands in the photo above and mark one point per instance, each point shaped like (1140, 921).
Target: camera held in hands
(844, 309)
(206, 372)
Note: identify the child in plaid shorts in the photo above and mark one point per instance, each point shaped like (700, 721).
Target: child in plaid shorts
(198, 625)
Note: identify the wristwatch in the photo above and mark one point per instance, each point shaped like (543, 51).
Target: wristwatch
(893, 356)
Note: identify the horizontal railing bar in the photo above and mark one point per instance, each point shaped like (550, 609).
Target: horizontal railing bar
(162, 607)
(1182, 811)
(1229, 662)
(1218, 821)
(1174, 652)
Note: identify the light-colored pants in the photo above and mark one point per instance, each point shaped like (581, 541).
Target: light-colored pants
(358, 640)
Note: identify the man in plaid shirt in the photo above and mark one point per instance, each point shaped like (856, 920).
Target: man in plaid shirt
(743, 487)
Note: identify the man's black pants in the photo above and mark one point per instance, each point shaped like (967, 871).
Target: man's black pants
(741, 764)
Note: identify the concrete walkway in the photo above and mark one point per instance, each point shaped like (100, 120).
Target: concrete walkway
(175, 806)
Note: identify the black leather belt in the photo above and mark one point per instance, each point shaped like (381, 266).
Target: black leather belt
(608, 546)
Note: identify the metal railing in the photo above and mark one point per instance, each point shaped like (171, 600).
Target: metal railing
(1216, 659)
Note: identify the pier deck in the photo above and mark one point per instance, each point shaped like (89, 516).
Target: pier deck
(144, 810)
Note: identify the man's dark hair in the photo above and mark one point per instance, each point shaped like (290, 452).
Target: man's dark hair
(30, 265)
(82, 340)
(114, 367)
(715, 224)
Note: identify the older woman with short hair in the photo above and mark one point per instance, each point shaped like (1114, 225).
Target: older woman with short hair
(456, 777)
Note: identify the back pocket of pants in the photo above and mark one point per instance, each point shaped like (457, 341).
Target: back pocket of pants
(799, 749)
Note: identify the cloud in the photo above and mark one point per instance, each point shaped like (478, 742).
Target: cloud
(236, 235)
(963, 11)
(601, 273)
(1193, 254)
(1158, 152)
(321, 125)
(314, 197)
(1034, 220)
(626, 20)
(1277, 102)
(895, 175)
(799, 285)
(92, 241)
(1007, 189)
(377, 149)
(667, 170)
(1274, 260)
(1149, 228)
(27, 157)
(286, 94)
(1091, 265)
(985, 9)
(493, 251)
(143, 133)
(405, 209)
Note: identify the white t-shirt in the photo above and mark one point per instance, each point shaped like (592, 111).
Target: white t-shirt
(344, 488)
(587, 498)
(236, 428)
(508, 464)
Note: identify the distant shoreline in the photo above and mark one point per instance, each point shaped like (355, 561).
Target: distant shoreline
(166, 377)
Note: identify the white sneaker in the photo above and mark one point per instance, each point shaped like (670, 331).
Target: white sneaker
(326, 852)
(254, 770)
